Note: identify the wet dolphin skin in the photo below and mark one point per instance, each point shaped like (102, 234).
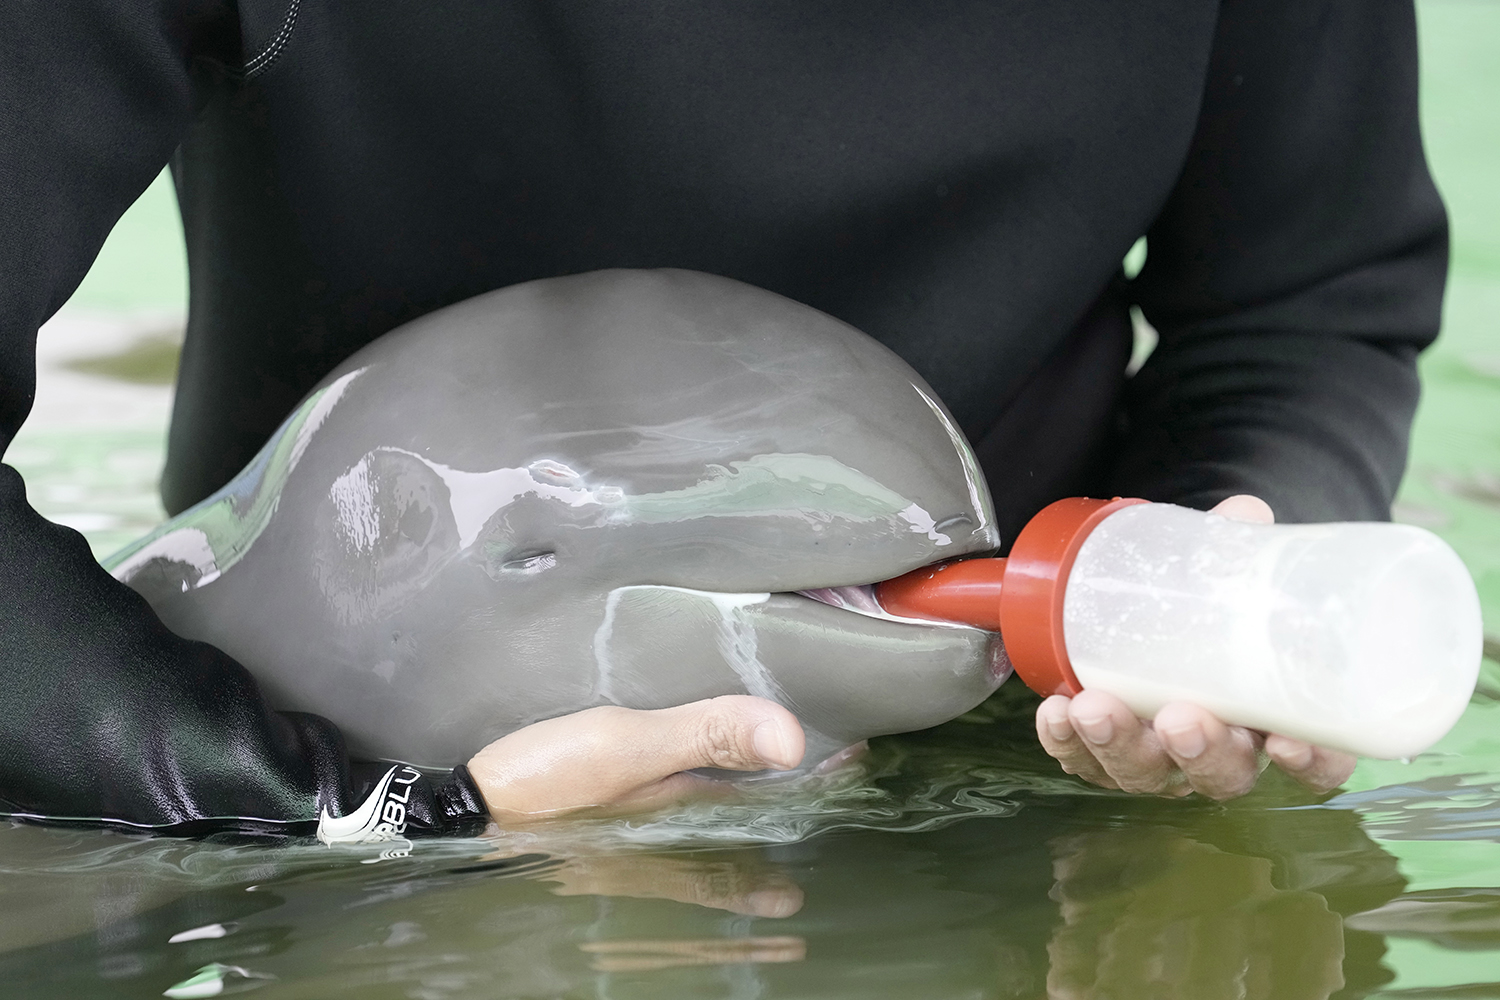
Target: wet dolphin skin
(608, 488)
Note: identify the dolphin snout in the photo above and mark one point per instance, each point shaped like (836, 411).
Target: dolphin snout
(843, 667)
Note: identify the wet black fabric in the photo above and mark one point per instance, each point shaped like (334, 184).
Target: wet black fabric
(958, 179)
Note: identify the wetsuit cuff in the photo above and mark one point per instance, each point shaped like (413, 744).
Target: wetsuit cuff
(459, 807)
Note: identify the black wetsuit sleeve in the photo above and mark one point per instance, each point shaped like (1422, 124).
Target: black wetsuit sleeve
(105, 715)
(1295, 272)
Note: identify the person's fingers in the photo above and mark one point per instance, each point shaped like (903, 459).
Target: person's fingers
(1125, 747)
(1244, 507)
(1318, 768)
(737, 732)
(608, 756)
(1219, 761)
(1058, 737)
(732, 732)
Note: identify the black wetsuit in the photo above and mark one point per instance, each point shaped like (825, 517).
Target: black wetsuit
(959, 179)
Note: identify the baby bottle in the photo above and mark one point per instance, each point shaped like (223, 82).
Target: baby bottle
(1363, 637)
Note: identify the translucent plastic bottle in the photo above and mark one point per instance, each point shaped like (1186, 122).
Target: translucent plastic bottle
(1362, 637)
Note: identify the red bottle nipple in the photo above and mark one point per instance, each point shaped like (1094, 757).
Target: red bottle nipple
(1021, 597)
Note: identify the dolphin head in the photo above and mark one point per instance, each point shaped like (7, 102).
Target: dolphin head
(625, 487)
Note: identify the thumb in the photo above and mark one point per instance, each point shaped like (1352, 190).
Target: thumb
(618, 756)
(736, 732)
(1244, 507)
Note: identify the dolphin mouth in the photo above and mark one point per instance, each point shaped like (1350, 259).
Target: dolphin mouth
(845, 667)
(860, 599)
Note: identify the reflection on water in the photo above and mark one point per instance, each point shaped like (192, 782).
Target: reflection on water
(1068, 897)
(1150, 912)
(1054, 894)
(1447, 807)
(1461, 919)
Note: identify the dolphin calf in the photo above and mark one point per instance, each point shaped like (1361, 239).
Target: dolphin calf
(637, 488)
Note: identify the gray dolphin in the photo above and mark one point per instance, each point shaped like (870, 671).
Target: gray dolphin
(608, 488)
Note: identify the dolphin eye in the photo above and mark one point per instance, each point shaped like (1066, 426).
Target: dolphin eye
(529, 563)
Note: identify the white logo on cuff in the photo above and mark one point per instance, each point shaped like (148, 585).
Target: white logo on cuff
(382, 816)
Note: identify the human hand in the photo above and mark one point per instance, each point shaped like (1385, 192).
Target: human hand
(621, 758)
(1185, 748)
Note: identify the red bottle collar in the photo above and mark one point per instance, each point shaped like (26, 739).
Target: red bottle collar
(1036, 578)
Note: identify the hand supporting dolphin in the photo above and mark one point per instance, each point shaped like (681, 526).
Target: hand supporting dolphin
(607, 489)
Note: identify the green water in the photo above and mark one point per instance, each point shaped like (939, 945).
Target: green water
(956, 863)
